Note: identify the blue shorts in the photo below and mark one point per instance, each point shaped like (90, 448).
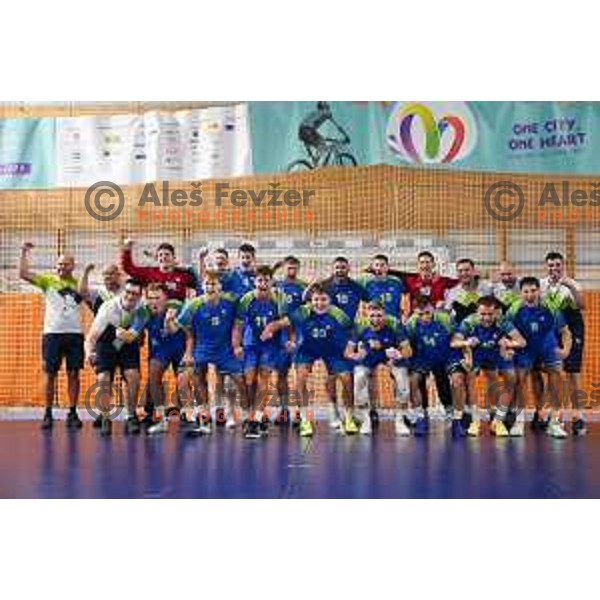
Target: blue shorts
(262, 357)
(336, 365)
(168, 355)
(225, 363)
(537, 357)
(491, 361)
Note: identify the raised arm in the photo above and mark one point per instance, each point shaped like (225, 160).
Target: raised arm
(84, 287)
(127, 264)
(25, 271)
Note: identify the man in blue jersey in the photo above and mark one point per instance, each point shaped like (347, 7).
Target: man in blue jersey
(343, 291)
(166, 349)
(488, 342)
(379, 341)
(321, 333)
(257, 338)
(429, 332)
(548, 344)
(380, 287)
(208, 322)
(292, 291)
(245, 272)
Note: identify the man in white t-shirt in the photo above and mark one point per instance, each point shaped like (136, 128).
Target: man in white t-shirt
(63, 331)
(112, 342)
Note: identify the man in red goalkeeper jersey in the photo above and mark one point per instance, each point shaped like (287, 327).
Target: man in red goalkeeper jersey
(176, 279)
(427, 283)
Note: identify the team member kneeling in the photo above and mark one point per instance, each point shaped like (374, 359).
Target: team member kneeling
(488, 342)
(379, 341)
(112, 342)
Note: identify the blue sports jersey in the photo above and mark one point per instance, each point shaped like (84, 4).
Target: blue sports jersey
(158, 335)
(243, 281)
(255, 314)
(376, 341)
(210, 322)
(388, 291)
(292, 292)
(539, 325)
(321, 335)
(430, 341)
(487, 351)
(346, 294)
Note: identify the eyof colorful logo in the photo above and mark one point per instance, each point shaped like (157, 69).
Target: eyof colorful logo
(431, 132)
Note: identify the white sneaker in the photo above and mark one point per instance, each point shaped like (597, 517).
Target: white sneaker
(158, 428)
(518, 429)
(230, 423)
(204, 428)
(556, 430)
(365, 428)
(335, 423)
(401, 427)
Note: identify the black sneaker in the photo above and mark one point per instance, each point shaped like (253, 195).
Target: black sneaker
(579, 427)
(253, 430)
(264, 424)
(132, 426)
(220, 416)
(97, 423)
(73, 421)
(537, 424)
(189, 428)
(374, 416)
(106, 427)
(467, 419)
(48, 420)
(510, 419)
(148, 419)
(283, 418)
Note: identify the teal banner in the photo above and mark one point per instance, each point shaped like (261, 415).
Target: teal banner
(27, 154)
(529, 137)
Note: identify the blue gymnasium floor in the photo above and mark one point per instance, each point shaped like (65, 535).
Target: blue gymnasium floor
(63, 464)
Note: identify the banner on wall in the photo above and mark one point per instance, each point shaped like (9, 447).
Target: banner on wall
(27, 153)
(127, 149)
(533, 137)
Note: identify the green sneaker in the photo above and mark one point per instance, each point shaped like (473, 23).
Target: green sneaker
(306, 428)
(349, 425)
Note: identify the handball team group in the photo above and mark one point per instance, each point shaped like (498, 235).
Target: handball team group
(254, 325)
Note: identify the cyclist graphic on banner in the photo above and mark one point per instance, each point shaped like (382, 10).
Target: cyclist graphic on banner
(322, 150)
